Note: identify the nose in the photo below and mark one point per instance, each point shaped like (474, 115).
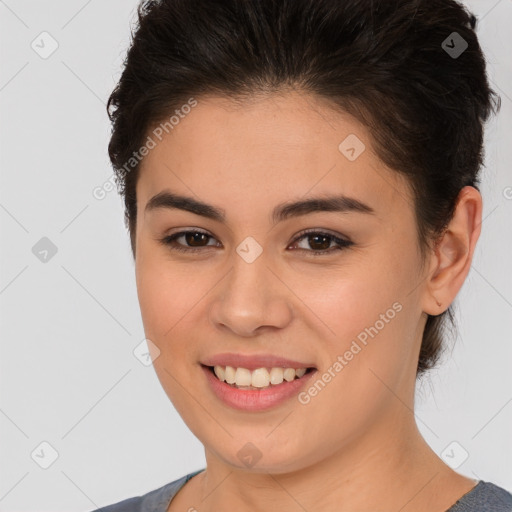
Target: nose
(250, 299)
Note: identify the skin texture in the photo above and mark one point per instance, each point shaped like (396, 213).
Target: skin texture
(355, 446)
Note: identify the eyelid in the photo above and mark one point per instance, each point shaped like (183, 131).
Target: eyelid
(321, 231)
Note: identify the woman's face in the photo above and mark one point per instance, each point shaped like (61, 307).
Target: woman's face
(256, 286)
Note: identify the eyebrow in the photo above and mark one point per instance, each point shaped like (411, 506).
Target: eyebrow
(283, 211)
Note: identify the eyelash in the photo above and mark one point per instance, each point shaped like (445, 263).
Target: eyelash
(342, 243)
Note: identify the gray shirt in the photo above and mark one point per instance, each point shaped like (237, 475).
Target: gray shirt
(484, 497)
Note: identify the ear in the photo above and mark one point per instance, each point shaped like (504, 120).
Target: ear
(452, 256)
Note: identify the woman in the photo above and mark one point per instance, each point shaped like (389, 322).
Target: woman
(301, 188)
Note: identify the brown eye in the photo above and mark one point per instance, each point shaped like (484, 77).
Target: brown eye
(193, 241)
(319, 243)
(195, 238)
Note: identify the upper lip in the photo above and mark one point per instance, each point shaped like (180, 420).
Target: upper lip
(252, 362)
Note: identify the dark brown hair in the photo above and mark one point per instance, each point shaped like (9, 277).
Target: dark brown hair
(401, 67)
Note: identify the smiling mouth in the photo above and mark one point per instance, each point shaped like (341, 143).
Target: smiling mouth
(261, 378)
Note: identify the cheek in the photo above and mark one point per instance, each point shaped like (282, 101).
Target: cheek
(166, 292)
(368, 355)
(153, 291)
(167, 297)
(365, 313)
(345, 300)
(172, 300)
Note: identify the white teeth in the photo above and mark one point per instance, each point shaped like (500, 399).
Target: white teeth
(220, 372)
(259, 378)
(276, 375)
(229, 374)
(243, 377)
(289, 374)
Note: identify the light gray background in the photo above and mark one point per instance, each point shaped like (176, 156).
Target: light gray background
(69, 326)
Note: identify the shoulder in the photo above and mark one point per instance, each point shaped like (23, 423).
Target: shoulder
(156, 500)
(484, 497)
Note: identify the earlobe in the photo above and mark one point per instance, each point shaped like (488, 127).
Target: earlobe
(453, 253)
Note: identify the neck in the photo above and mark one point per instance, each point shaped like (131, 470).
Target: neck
(389, 468)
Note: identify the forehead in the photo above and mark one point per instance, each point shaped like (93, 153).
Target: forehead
(255, 154)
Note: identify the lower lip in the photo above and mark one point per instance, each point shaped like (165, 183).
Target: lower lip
(255, 399)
